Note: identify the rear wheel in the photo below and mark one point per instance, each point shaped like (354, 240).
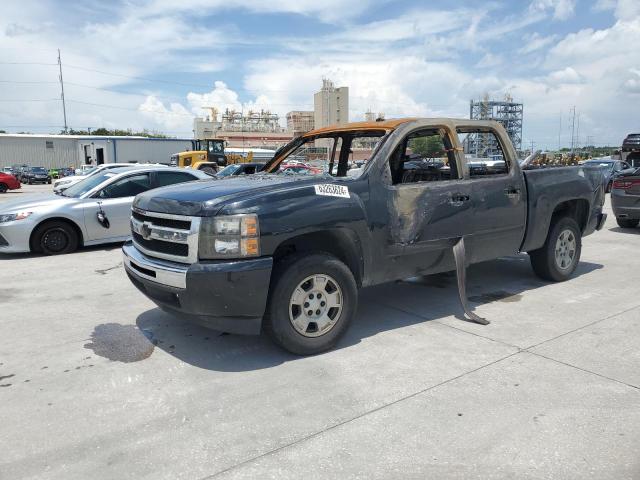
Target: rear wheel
(312, 302)
(55, 238)
(3, 188)
(559, 256)
(627, 222)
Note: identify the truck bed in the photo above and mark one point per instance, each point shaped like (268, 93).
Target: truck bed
(547, 187)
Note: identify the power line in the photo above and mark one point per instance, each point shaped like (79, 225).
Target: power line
(15, 82)
(31, 100)
(28, 63)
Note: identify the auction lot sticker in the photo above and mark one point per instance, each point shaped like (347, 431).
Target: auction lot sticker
(329, 190)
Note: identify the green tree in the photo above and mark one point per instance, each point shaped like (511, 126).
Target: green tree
(429, 146)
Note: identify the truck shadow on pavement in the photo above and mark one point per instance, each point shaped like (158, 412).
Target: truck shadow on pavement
(381, 308)
(632, 231)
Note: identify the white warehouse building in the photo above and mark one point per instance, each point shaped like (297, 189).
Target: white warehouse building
(57, 151)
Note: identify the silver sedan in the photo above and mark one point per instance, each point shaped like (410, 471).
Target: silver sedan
(94, 210)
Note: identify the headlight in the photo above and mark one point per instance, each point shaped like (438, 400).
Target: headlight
(232, 236)
(11, 217)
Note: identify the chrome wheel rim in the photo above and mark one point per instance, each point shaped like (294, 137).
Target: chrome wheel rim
(315, 305)
(566, 246)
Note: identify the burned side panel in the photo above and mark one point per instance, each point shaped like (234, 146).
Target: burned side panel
(547, 188)
(425, 212)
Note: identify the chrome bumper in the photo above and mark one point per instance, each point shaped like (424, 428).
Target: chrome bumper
(154, 270)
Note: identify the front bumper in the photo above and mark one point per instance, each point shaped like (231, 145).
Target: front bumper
(229, 296)
(38, 180)
(14, 236)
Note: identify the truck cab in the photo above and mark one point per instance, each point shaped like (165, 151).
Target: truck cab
(286, 251)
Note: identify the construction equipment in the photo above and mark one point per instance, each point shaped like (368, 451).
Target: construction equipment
(206, 155)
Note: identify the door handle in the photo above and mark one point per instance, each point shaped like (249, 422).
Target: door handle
(458, 200)
(512, 192)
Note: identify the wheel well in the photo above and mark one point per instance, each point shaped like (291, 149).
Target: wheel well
(342, 244)
(71, 223)
(577, 209)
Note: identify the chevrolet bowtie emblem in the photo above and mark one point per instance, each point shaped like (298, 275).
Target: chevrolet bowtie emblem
(145, 230)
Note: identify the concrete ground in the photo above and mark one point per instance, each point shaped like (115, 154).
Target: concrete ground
(95, 382)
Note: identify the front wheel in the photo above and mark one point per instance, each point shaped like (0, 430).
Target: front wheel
(559, 256)
(628, 222)
(3, 188)
(311, 304)
(54, 238)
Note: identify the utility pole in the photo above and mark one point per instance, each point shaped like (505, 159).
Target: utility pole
(64, 106)
(532, 144)
(573, 124)
(559, 130)
(578, 133)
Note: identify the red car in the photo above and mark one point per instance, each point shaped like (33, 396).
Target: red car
(8, 182)
(300, 169)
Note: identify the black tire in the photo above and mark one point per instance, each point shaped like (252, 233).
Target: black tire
(628, 222)
(49, 181)
(3, 188)
(609, 185)
(54, 238)
(544, 261)
(30, 182)
(286, 278)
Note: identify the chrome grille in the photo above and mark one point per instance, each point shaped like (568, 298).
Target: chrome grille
(167, 236)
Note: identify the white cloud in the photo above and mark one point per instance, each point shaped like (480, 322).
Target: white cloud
(632, 84)
(535, 42)
(331, 11)
(562, 9)
(172, 117)
(566, 75)
(490, 60)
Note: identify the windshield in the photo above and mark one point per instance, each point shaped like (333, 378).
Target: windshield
(87, 184)
(602, 163)
(228, 170)
(339, 154)
(39, 170)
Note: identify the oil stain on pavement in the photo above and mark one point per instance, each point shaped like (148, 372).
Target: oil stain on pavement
(120, 343)
(499, 295)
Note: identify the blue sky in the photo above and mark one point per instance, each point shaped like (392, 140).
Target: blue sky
(154, 64)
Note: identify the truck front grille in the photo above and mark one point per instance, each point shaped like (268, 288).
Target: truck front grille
(162, 222)
(168, 248)
(166, 236)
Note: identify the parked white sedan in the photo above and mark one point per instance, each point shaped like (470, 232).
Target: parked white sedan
(63, 183)
(94, 210)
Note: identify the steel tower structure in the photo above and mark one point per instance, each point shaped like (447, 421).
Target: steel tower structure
(507, 112)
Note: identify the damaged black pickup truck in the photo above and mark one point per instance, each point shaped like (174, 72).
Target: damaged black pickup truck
(286, 250)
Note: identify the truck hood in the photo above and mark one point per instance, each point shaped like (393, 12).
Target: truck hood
(206, 197)
(35, 202)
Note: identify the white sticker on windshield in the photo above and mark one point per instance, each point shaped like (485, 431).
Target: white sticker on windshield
(329, 190)
(109, 174)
